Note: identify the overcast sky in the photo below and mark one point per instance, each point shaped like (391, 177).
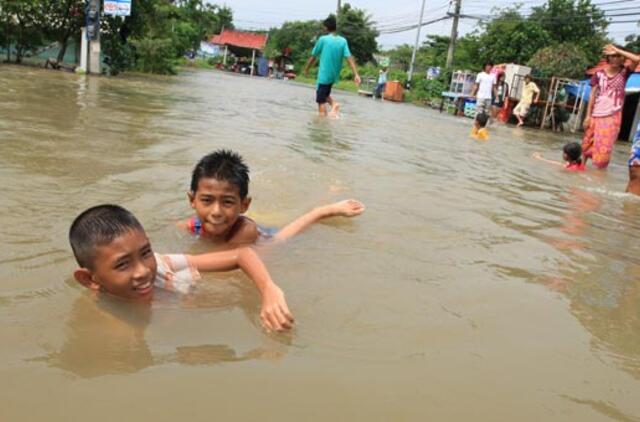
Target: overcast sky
(260, 14)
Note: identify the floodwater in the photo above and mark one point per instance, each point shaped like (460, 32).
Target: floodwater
(479, 284)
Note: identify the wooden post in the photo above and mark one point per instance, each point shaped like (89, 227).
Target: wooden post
(224, 57)
(253, 61)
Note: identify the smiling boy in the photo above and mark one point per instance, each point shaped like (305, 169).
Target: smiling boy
(219, 195)
(115, 256)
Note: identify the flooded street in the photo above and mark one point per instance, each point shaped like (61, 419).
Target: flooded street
(480, 284)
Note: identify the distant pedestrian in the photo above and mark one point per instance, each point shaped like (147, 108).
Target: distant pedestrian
(382, 82)
(526, 99)
(500, 97)
(604, 112)
(484, 89)
(331, 49)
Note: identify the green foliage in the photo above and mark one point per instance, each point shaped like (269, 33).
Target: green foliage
(299, 36)
(356, 26)
(511, 38)
(401, 56)
(155, 55)
(564, 60)
(23, 23)
(632, 43)
(579, 22)
(64, 20)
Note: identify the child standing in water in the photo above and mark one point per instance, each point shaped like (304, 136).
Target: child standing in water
(571, 154)
(604, 112)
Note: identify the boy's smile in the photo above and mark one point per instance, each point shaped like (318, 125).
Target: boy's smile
(126, 267)
(218, 206)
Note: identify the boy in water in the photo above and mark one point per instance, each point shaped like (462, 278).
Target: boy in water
(571, 154)
(219, 196)
(115, 256)
(332, 49)
(479, 130)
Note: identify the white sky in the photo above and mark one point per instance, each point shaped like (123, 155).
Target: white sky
(260, 14)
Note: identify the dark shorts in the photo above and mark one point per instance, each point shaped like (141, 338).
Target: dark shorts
(322, 93)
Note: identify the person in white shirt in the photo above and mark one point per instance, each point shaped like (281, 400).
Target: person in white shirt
(484, 89)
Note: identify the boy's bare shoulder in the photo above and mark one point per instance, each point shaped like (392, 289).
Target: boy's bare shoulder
(246, 232)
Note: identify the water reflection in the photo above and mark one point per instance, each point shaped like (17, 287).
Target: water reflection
(105, 335)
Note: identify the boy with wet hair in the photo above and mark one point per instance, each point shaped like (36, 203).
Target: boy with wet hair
(220, 196)
(479, 130)
(114, 256)
(571, 154)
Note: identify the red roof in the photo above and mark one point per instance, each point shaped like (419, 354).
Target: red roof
(602, 64)
(240, 39)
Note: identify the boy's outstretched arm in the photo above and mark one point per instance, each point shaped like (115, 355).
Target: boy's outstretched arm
(539, 156)
(274, 314)
(347, 208)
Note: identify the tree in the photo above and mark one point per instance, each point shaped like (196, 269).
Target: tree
(564, 60)
(401, 56)
(574, 21)
(511, 37)
(356, 26)
(299, 36)
(64, 20)
(24, 22)
(632, 43)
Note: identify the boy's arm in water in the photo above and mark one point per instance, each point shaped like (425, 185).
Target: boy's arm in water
(354, 69)
(610, 49)
(346, 208)
(539, 156)
(274, 314)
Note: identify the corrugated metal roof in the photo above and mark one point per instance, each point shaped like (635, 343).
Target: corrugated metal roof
(240, 39)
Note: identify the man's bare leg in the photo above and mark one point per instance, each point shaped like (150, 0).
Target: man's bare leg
(322, 109)
(634, 180)
(335, 107)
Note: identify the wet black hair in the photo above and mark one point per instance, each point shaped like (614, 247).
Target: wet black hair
(528, 77)
(573, 150)
(485, 64)
(330, 23)
(97, 226)
(223, 165)
(482, 119)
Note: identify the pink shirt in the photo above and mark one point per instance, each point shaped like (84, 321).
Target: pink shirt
(610, 98)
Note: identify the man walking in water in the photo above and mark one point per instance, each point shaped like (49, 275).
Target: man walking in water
(332, 49)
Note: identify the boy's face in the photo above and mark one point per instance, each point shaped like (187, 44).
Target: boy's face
(218, 205)
(126, 267)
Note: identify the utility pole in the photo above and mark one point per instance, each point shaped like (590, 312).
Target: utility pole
(454, 34)
(415, 47)
(338, 12)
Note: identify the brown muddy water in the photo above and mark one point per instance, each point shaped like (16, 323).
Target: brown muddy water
(479, 284)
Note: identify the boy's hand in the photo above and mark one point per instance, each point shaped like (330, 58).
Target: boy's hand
(275, 314)
(536, 155)
(357, 79)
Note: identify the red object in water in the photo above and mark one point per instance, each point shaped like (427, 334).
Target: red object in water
(393, 91)
(505, 112)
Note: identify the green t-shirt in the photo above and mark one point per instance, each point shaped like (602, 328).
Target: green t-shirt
(332, 50)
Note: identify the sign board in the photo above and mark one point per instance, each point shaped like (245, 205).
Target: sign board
(117, 7)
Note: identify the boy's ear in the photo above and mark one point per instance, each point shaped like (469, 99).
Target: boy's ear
(84, 277)
(192, 197)
(245, 204)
